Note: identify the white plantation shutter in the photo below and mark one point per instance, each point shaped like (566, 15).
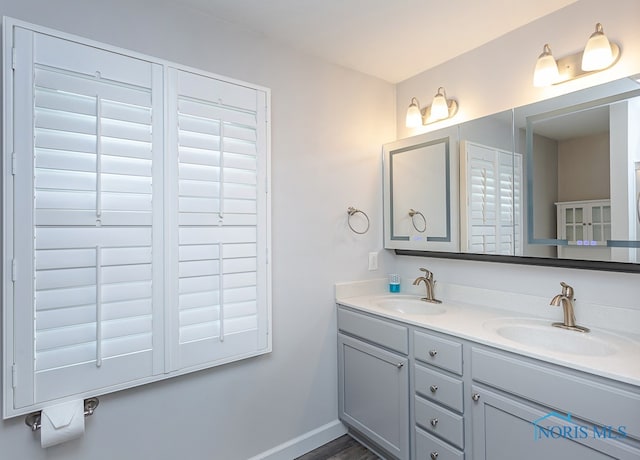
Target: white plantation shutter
(86, 255)
(137, 229)
(494, 188)
(220, 235)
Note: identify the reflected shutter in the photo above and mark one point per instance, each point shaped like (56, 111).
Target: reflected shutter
(221, 211)
(493, 200)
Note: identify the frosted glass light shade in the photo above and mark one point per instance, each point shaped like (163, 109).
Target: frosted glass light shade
(546, 71)
(414, 116)
(439, 107)
(597, 53)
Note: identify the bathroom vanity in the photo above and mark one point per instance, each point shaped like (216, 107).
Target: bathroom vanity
(462, 381)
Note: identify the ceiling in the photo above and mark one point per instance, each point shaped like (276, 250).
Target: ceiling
(390, 39)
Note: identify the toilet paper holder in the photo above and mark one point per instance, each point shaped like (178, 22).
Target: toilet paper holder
(33, 419)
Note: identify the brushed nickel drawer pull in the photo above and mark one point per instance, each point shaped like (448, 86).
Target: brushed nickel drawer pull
(434, 422)
(400, 365)
(432, 353)
(434, 455)
(433, 388)
(475, 396)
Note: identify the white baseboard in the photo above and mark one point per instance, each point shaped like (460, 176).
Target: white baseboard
(304, 443)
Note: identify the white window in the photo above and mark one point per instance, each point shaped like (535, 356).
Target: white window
(136, 219)
(491, 205)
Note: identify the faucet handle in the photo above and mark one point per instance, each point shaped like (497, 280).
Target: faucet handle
(427, 273)
(566, 290)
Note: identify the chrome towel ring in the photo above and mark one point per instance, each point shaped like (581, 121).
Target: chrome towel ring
(351, 211)
(413, 213)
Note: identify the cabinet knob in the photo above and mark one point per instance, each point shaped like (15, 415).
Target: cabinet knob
(434, 455)
(433, 388)
(432, 353)
(475, 396)
(434, 422)
(400, 365)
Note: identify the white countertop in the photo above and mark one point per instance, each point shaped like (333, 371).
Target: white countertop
(474, 322)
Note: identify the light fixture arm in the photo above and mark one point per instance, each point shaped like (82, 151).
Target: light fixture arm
(426, 115)
(571, 67)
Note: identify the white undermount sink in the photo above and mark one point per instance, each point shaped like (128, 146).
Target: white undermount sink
(540, 334)
(409, 305)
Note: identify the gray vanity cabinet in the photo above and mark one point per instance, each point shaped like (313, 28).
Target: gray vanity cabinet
(525, 409)
(438, 397)
(450, 398)
(373, 378)
(503, 430)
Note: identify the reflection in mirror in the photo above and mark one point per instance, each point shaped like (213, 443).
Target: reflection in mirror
(412, 168)
(420, 191)
(491, 219)
(555, 183)
(581, 186)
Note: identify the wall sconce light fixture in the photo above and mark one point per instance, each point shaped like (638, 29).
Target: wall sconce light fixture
(440, 109)
(599, 54)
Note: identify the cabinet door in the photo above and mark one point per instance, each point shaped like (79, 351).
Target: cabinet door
(575, 222)
(503, 429)
(601, 223)
(374, 394)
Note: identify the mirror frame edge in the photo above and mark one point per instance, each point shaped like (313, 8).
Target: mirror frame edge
(620, 267)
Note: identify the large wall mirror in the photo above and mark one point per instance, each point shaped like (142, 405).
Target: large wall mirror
(421, 199)
(552, 183)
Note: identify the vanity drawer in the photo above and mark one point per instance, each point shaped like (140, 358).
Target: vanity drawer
(438, 387)
(431, 448)
(437, 351)
(594, 400)
(387, 334)
(437, 420)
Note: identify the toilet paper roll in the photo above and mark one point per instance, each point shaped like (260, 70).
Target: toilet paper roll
(61, 423)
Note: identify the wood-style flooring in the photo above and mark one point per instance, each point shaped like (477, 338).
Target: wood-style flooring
(342, 448)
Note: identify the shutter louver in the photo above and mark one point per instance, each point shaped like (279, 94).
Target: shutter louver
(218, 213)
(92, 206)
(137, 220)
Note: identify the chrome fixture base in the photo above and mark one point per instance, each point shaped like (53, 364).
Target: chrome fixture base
(431, 300)
(571, 328)
(452, 105)
(570, 67)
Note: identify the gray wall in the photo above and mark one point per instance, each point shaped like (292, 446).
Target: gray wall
(583, 168)
(328, 125)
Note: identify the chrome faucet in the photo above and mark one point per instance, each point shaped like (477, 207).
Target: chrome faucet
(566, 300)
(429, 283)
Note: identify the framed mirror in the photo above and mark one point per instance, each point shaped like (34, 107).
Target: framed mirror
(421, 192)
(553, 183)
(581, 152)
